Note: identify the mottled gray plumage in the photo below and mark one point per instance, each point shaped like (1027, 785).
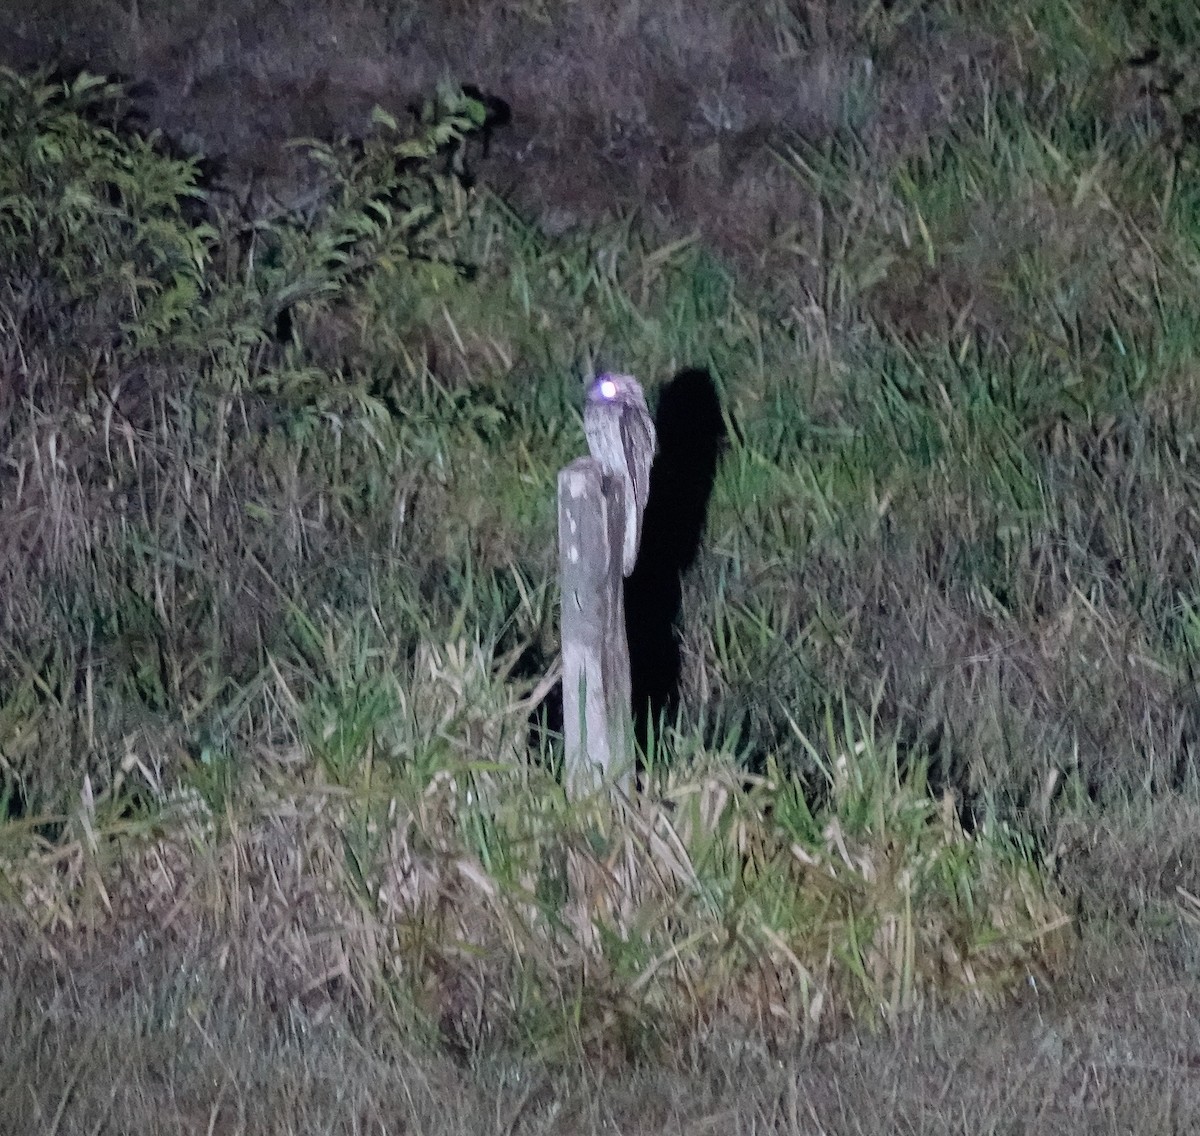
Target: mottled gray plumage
(621, 437)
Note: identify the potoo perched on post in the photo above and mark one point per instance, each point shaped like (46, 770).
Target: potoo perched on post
(621, 437)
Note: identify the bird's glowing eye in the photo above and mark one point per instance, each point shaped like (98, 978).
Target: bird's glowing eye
(608, 389)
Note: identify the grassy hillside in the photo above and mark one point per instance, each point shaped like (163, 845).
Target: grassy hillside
(278, 632)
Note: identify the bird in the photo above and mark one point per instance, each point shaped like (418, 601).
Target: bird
(621, 437)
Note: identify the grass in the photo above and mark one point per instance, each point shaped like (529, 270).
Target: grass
(279, 605)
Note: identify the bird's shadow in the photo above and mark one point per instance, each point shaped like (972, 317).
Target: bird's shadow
(691, 440)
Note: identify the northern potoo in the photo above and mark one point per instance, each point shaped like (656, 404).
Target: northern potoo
(620, 435)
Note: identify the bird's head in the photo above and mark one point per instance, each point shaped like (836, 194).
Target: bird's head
(615, 389)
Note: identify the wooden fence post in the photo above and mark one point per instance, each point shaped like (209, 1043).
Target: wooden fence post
(597, 723)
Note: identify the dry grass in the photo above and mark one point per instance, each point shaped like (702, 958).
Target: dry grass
(500, 915)
(178, 1051)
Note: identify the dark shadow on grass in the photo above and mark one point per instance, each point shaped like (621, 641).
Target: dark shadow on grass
(691, 439)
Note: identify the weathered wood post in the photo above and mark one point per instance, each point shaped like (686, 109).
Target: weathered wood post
(597, 724)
